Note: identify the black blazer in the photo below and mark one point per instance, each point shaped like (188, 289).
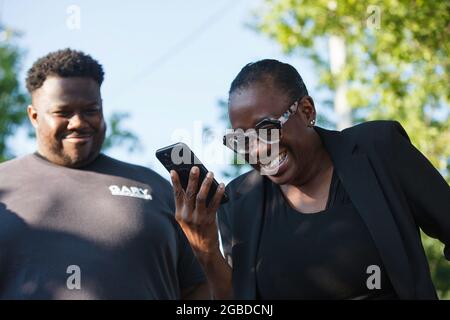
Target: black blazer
(392, 185)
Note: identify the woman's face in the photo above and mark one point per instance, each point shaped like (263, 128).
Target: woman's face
(295, 153)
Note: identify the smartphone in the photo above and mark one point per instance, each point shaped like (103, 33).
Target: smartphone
(179, 157)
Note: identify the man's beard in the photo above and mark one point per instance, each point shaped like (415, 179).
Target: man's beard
(58, 155)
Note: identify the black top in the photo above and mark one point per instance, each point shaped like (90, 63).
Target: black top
(324, 255)
(105, 231)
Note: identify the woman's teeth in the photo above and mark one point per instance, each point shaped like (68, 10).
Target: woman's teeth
(276, 162)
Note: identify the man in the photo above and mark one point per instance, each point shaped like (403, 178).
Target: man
(336, 215)
(75, 223)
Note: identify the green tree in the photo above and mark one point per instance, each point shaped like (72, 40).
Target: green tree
(14, 101)
(397, 67)
(119, 136)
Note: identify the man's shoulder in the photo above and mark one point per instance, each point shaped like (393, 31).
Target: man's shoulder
(113, 162)
(134, 171)
(18, 162)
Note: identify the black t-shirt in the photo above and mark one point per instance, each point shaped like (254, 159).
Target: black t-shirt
(324, 255)
(106, 231)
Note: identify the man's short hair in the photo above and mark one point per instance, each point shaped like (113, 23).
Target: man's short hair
(64, 63)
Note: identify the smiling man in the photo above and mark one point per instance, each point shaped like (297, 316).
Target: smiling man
(76, 224)
(68, 118)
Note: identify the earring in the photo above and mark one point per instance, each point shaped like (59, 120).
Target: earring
(312, 122)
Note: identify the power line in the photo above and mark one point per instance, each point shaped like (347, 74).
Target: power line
(186, 41)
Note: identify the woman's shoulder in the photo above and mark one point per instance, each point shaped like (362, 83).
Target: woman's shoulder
(377, 131)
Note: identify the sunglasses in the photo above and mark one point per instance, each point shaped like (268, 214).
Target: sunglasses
(267, 131)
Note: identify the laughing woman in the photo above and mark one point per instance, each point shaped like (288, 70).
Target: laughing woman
(334, 215)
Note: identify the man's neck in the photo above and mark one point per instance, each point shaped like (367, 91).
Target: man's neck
(75, 166)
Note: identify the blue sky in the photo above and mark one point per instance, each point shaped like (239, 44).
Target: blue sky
(167, 63)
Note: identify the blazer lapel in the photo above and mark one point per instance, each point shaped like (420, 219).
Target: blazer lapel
(359, 180)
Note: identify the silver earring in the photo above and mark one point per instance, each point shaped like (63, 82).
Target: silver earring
(312, 122)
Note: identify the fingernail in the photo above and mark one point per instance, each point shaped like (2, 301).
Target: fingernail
(221, 186)
(172, 173)
(210, 175)
(194, 170)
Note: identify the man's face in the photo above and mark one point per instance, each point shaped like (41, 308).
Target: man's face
(68, 117)
(250, 105)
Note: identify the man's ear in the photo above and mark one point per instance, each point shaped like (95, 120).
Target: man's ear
(32, 115)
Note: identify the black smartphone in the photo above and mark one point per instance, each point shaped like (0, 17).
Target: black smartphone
(179, 157)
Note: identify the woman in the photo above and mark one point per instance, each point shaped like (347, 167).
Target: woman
(334, 215)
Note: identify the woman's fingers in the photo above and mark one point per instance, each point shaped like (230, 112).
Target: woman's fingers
(215, 202)
(178, 192)
(191, 205)
(202, 195)
(190, 194)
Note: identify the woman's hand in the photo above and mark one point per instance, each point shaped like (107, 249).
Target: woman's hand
(199, 224)
(196, 219)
